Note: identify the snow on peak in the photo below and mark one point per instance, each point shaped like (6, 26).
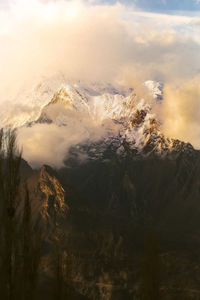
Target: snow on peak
(93, 112)
(155, 88)
(132, 119)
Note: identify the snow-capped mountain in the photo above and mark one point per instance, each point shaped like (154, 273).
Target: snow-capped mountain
(127, 123)
(134, 128)
(26, 106)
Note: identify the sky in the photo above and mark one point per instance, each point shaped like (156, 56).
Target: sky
(151, 30)
(146, 5)
(119, 42)
(157, 5)
(164, 5)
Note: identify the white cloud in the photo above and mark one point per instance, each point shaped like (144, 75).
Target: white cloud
(50, 143)
(97, 42)
(80, 40)
(181, 111)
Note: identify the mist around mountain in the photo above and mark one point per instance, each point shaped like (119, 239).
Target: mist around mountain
(118, 218)
(99, 114)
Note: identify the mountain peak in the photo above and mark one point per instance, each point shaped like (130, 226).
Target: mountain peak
(61, 97)
(118, 115)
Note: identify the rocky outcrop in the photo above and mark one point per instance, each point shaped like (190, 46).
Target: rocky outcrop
(48, 197)
(139, 117)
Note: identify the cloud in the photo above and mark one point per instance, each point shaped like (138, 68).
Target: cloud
(89, 41)
(40, 39)
(181, 111)
(93, 42)
(50, 143)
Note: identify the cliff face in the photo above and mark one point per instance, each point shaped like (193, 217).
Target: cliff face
(48, 198)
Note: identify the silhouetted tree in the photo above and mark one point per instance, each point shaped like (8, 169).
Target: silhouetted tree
(69, 267)
(63, 265)
(151, 270)
(19, 245)
(9, 185)
(58, 271)
(30, 251)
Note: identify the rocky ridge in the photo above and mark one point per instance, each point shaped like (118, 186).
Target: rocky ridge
(130, 123)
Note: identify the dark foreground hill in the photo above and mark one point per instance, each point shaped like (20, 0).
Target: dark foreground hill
(104, 210)
(121, 219)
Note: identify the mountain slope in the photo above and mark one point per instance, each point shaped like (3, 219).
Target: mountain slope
(114, 188)
(102, 116)
(48, 198)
